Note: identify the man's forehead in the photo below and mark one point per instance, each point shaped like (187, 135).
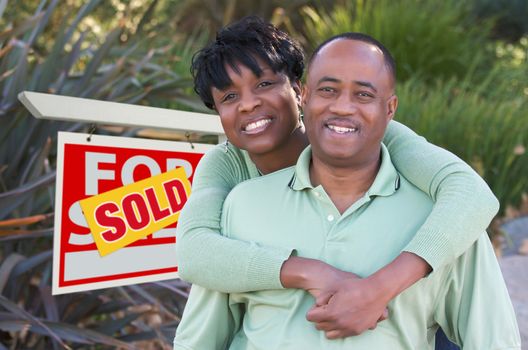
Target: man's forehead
(341, 54)
(346, 45)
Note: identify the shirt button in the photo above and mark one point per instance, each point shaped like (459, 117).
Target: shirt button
(330, 217)
(317, 194)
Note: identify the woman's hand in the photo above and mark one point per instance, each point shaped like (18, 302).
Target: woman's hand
(345, 304)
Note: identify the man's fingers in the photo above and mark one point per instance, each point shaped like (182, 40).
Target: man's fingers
(384, 316)
(385, 313)
(324, 326)
(333, 334)
(323, 298)
(316, 314)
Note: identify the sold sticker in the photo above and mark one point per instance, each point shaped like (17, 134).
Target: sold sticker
(126, 214)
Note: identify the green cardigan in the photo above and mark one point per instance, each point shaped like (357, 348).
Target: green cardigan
(463, 208)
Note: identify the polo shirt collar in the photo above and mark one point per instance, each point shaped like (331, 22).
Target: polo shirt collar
(387, 180)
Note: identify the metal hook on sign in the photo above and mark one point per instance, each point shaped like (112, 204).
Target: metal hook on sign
(188, 137)
(91, 131)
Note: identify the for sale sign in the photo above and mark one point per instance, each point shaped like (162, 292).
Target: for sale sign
(88, 167)
(124, 215)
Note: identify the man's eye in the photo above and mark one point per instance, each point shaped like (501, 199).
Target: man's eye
(326, 90)
(365, 94)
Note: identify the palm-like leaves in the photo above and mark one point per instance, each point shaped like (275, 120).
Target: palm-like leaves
(29, 315)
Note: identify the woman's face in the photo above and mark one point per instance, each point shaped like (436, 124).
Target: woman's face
(258, 114)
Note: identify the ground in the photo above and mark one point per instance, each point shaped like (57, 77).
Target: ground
(514, 267)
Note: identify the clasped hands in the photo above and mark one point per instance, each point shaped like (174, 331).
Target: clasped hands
(345, 304)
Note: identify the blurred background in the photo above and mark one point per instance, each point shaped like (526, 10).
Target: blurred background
(462, 83)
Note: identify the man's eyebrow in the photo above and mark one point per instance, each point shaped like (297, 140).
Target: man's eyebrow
(366, 84)
(327, 79)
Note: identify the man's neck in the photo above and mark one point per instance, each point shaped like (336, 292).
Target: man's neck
(344, 185)
(284, 156)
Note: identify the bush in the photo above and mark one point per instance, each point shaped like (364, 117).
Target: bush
(509, 15)
(485, 125)
(429, 39)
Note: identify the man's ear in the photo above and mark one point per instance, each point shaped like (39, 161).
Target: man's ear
(392, 105)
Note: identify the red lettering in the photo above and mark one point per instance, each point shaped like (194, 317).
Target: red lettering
(157, 212)
(176, 194)
(136, 211)
(115, 223)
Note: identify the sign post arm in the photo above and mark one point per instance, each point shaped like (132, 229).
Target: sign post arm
(67, 108)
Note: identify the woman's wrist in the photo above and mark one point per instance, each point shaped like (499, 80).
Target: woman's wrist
(400, 274)
(301, 273)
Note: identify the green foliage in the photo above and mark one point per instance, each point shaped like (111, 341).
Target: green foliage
(428, 38)
(30, 318)
(457, 87)
(74, 67)
(485, 125)
(510, 17)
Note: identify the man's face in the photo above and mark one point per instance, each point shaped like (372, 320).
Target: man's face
(348, 101)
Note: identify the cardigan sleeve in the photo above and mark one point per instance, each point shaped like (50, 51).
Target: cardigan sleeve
(207, 258)
(208, 321)
(463, 203)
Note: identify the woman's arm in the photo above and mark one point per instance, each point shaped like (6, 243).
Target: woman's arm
(204, 256)
(463, 203)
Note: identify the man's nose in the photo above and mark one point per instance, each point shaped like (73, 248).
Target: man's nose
(248, 102)
(343, 105)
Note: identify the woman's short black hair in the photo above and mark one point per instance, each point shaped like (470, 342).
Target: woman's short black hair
(240, 43)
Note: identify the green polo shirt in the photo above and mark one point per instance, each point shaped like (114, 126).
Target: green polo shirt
(467, 298)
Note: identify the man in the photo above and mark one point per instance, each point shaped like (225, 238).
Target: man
(344, 203)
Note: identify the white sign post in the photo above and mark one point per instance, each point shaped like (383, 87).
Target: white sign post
(90, 166)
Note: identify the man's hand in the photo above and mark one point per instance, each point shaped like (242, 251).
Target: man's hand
(345, 304)
(356, 305)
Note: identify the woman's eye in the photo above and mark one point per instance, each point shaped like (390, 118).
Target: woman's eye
(228, 97)
(264, 84)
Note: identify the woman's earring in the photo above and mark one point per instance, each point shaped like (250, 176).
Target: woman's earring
(226, 145)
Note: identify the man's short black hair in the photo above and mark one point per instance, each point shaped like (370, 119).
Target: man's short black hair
(389, 60)
(241, 43)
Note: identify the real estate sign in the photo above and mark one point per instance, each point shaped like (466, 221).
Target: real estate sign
(141, 185)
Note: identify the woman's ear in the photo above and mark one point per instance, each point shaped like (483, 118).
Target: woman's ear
(304, 93)
(297, 88)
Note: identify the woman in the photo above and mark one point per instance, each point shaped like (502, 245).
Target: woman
(251, 76)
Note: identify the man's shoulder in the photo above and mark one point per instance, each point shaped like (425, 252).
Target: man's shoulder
(409, 192)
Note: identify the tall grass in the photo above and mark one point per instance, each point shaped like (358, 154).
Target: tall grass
(485, 125)
(429, 39)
